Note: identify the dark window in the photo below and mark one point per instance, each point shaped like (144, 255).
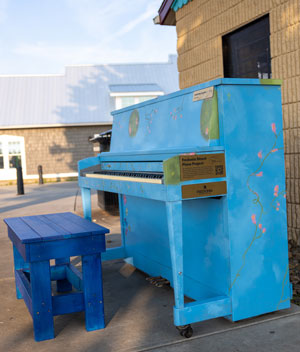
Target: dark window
(246, 51)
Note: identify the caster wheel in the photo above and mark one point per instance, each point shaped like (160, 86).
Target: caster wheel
(185, 330)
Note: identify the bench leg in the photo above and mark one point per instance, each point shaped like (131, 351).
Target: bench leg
(42, 316)
(93, 292)
(63, 285)
(19, 263)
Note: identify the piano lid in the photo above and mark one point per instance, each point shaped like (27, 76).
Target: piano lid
(182, 120)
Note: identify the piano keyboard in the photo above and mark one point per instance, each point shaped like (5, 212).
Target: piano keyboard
(145, 177)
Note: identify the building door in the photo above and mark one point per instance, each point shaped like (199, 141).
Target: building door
(246, 51)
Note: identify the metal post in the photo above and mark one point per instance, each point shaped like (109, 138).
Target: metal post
(40, 172)
(20, 183)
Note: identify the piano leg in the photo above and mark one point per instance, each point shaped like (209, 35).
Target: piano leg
(174, 216)
(86, 203)
(121, 210)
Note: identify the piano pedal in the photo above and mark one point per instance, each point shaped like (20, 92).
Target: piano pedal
(162, 283)
(185, 330)
(151, 279)
(158, 281)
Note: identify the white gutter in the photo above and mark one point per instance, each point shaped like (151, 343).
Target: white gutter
(135, 94)
(83, 124)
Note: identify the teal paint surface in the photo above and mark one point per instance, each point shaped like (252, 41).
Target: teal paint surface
(228, 253)
(177, 4)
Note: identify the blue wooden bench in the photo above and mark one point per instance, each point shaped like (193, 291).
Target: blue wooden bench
(36, 240)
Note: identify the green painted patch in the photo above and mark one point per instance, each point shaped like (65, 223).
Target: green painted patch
(273, 82)
(171, 171)
(209, 118)
(133, 123)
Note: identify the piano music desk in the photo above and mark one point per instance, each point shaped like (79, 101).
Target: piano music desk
(36, 240)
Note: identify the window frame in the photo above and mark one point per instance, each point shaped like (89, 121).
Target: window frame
(136, 95)
(8, 173)
(14, 154)
(234, 42)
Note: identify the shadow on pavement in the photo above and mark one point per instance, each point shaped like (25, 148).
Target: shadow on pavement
(35, 195)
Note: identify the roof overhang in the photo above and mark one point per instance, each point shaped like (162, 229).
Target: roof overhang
(166, 12)
(166, 15)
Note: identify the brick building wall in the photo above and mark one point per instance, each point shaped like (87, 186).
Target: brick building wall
(57, 149)
(200, 26)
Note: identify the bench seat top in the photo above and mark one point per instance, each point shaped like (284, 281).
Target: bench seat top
(52, 227)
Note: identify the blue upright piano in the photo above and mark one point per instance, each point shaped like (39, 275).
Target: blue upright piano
(201, 181)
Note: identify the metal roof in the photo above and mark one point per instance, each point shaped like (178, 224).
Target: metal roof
(131, 88)
(81, 95)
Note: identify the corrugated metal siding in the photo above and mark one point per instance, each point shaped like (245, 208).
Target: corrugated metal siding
(79, 96)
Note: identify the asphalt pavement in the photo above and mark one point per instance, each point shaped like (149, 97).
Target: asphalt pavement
(138, 314)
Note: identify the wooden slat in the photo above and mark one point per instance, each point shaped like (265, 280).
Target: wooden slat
(63, 285)
(58, 272)
(93, 295)
(69, 303)
(44, 230)
(51, 227)
(84, 224)
(66, 248)
(73, 224)
(74, 276)
(21, 231)
(40, 280)
(19, 264)
(23, 286)
(65, 233)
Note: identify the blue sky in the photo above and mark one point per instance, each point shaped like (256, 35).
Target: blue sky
(42, 36)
